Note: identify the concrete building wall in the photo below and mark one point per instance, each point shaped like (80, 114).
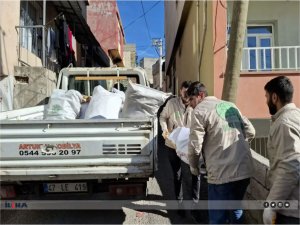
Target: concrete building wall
(8, 36)
(200, 52)
(187, 53)
(258, 187)
(173, 13)
(155, 73)
(156, 77)
(8, 51)
(147, 64)
(129, 55)
(33, 86)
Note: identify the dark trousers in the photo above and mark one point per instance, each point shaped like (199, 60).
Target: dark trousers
(175, 162)
(281, 219)
(190, 183)
(193, 190)
(229, 191)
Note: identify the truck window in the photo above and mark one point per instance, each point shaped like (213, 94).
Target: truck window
(107, 83)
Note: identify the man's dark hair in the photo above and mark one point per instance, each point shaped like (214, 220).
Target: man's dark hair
(282, 87)
(195, 88)
(186, 84)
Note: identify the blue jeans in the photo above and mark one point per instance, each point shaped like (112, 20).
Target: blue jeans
(229, 191)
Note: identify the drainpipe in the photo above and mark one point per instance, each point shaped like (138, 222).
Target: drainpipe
(44, 33)
(201, 49)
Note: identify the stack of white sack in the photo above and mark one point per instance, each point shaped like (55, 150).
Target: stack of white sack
(141, 101)
(103, 105)
(63, 105)
(180, 138)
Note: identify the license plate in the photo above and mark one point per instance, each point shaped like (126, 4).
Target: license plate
(65, 187)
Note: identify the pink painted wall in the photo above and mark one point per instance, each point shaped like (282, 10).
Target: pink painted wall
(103, 19)
(251, 94)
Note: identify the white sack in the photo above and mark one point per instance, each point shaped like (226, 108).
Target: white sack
(104, 104)
(141, 101)
(180, 137)
(63, 105)
(120, 93)
(6, 94)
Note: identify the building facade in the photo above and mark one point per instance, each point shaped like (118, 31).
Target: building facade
(147, 64)
(37, 39)
(159, 80)
(104, 19)
(130, 56)
(196, 48)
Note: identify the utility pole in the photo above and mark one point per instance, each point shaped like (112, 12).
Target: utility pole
(158, 44)
(235, 49)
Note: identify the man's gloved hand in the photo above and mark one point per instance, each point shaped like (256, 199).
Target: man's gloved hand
(165, 134)
(269, 216)
(195, 171)
(203, 169)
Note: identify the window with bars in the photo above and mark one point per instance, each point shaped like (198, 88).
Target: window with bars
(30, 37)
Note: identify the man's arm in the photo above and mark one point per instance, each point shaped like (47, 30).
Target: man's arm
(249, 128)
(196, 140)
(287, 172)
(164, 116)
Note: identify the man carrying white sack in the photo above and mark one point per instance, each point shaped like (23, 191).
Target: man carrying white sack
(190, 182)
(220, 134)
(175, 114)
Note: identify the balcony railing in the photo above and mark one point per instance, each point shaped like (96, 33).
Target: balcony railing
(259, 143)
(271, 59)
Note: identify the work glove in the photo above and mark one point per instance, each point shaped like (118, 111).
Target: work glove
(85, 99)
(194, 171)
(165, 134)
(269, 216)
(203, 169)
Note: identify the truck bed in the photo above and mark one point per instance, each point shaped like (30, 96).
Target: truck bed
(77, 149)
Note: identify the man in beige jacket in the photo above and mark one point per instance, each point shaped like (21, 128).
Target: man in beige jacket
(220, 133)
(175, 114)
(283, 151)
